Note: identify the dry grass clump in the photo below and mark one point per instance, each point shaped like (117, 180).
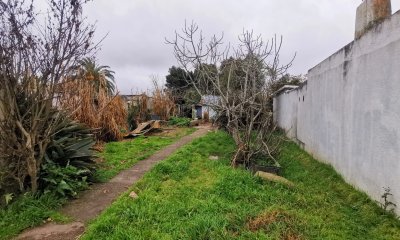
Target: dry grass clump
(142, 104)
(94, 107)
(163, 103)
(265, 220)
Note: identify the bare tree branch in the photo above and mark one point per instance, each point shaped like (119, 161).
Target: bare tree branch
(240, 83)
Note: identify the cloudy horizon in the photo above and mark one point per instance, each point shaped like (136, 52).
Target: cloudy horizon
(136, 30)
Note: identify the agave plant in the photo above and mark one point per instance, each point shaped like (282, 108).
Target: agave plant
(68, 163)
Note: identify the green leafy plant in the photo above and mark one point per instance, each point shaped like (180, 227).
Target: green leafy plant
(8, 198)
(64, 181)
(179, 121)
(29, 210)
(133, 112)
(69, 164)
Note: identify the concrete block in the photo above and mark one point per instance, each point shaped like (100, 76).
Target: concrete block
(369, 13)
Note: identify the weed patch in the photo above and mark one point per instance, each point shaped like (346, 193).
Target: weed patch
(30, 210)
(189, 196)
(118, 156)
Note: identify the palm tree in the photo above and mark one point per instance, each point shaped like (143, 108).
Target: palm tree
(102, 76)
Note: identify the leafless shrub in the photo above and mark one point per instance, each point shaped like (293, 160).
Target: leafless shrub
(239, 77)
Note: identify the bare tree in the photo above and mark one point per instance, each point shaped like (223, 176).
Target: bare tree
(37, 51)
(239, 86)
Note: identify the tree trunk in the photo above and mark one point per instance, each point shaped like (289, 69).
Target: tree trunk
(33, 173)
(31, 160)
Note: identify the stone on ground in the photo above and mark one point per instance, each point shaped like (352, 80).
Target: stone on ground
(274, 178)
(133, 195)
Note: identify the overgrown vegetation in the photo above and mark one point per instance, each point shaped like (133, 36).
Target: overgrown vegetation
(190, 196)
(179, 121)
(46, 156)
(163, 103)
(118, 156)
(36, 55)
(138, 110)
(69, 160)
(48, 84)
(178, 82)
(89, 97)
(29, 210)
(238, 79)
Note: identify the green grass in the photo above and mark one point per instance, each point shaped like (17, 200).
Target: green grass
(118, 156)
(189, 196)
(179, 121)
(28, 211)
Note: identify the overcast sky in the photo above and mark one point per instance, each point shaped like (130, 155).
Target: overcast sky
(135, 46)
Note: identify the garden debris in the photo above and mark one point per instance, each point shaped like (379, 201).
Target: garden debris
(274, 178)
(133, 195)
(213, 157)
(144, 128)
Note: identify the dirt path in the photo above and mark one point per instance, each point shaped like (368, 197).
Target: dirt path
(92, 202)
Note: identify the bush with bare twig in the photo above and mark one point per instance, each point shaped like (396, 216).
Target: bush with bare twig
(240, 84)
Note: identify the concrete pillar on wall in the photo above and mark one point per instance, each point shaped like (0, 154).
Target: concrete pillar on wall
(371, 12)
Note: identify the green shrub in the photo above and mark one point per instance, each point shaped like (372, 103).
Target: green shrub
(179, 121)
(64, 181)
(133, 112)
(69, 164)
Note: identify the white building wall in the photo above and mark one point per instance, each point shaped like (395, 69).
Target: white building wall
(350, 116)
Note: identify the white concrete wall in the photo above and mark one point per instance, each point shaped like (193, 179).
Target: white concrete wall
(350, 116)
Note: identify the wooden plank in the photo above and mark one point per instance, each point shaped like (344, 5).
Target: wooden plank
(142, 127)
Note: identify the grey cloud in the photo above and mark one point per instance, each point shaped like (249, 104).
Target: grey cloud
(135, 46)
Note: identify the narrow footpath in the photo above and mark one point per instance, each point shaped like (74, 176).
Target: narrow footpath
(93, 201)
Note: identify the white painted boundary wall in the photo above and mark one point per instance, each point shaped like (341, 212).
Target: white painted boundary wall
(350, 116)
